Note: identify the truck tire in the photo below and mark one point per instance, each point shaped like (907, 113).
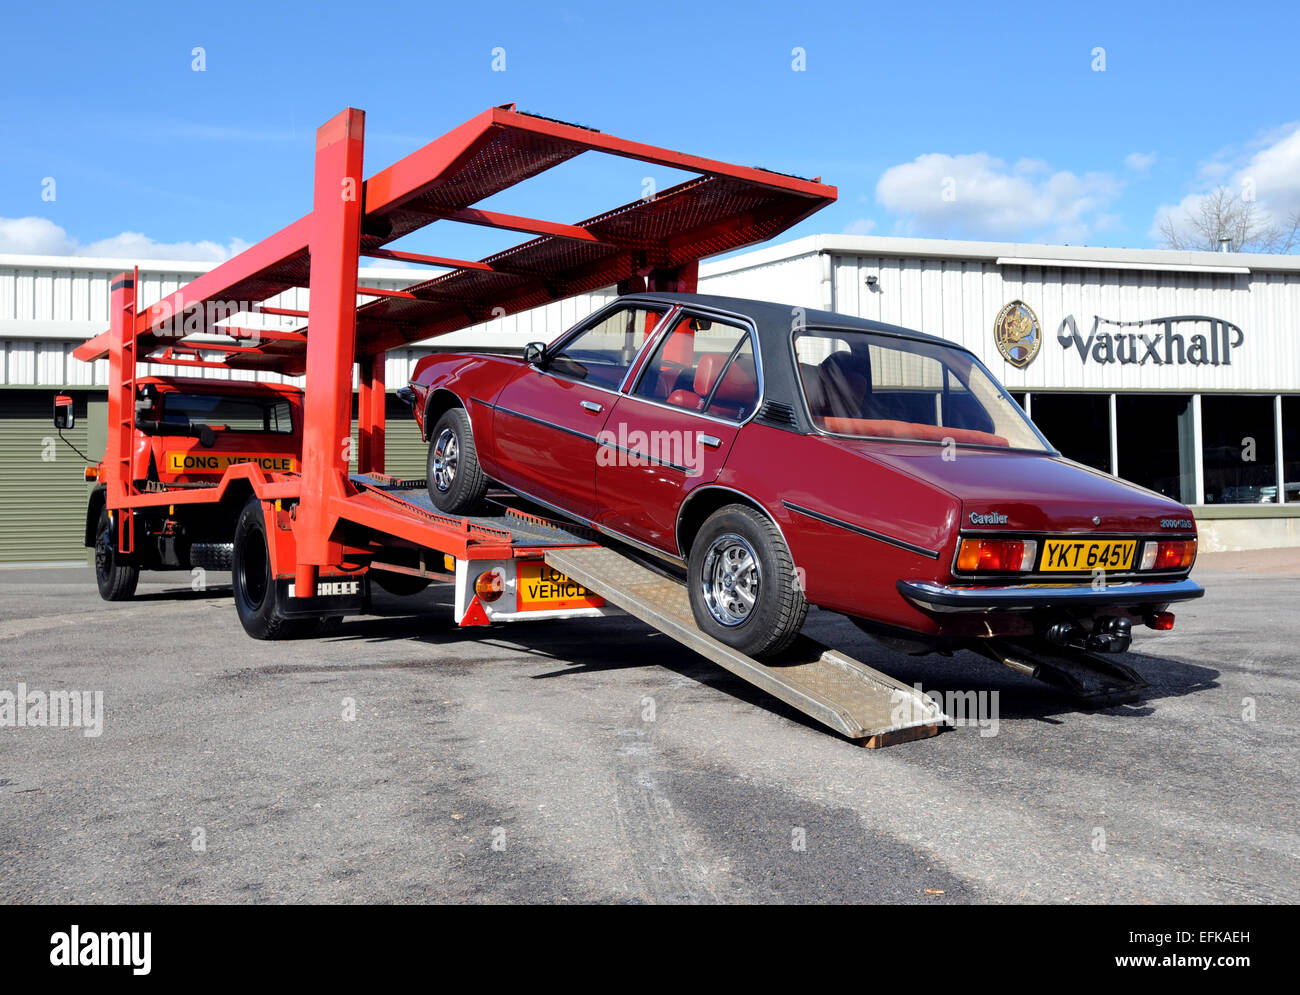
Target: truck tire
(456, 482)
(742, 583)
(115, 574)
(257, 596)
(402, 585)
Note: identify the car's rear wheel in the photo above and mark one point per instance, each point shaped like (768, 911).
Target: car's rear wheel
(456, 482)
(742, 583)
(115, 574)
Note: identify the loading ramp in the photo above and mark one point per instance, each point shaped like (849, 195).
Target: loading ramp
(844, 694)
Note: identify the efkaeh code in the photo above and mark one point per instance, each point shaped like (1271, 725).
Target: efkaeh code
(181, 461)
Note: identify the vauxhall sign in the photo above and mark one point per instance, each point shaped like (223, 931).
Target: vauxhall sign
(1179, 340)
(1187, 339)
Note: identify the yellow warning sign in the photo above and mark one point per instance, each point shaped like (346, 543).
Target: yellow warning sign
(179, 461)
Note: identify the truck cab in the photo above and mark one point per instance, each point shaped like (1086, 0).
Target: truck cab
(188, 432)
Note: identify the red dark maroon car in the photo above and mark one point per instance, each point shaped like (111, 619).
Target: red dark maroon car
(787, 457)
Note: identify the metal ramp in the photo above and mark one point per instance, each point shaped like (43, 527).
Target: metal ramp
(839, 692)
(1090, 678)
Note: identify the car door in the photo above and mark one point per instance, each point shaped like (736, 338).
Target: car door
(672, 430)
(548, 419)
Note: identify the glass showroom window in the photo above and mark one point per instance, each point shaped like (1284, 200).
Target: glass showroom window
(1076, 424)
(1157, 443)
(1239, 449)
(1291, 445)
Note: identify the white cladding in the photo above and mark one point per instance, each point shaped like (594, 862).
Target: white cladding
(953, 289)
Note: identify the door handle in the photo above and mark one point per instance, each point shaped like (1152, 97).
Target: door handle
(593, 407)
(712, 441)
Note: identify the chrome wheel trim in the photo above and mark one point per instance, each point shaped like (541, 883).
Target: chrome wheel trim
(730, 579)
(446, 457)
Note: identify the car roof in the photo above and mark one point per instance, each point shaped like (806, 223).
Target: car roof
(774, 318)
(214, 385)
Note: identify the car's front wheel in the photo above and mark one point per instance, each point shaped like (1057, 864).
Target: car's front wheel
(456, 481)
(743, 587)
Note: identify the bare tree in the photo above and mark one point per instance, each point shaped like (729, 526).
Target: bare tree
(1222, 214)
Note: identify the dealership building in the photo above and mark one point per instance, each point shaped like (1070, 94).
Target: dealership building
(1179, 371)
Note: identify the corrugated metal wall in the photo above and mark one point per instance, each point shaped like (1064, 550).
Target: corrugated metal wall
(42, 491)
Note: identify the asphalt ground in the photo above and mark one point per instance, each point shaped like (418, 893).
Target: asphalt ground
(402, 759)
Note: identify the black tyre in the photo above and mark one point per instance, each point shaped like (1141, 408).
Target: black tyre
(402, 585)
(456, 481)
(742, 583)
(257, 596)
(115, 573)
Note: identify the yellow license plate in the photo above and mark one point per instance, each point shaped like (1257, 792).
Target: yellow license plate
(1086, 555)
(542, 588)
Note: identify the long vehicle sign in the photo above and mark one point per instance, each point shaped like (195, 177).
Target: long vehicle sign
(183, 461)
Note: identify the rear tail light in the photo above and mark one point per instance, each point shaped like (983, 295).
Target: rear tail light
(996, 555)
(1163, 621)
(491, 584)
(1168, 554)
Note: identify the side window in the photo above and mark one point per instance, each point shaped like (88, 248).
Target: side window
(703, 365)
(602, 354)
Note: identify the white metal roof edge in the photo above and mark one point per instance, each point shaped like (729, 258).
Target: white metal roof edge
(1028, 253)
(11, 260)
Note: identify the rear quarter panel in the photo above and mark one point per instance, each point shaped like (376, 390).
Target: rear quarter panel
(843, 570)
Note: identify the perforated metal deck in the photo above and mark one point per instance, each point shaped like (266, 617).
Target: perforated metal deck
(521, 530)
(836, 690)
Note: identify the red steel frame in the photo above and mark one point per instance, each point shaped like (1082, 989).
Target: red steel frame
(652, 244)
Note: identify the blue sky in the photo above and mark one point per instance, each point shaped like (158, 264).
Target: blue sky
(1001, 107)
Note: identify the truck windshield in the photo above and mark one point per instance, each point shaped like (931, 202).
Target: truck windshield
(233, 414)
(883, 387)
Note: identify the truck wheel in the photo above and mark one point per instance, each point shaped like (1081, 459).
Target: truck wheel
(402, 585)
(456, 481)
(257, 596)
(116, 575)
(742, 583)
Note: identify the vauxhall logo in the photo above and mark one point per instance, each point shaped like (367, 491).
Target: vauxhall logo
(1164, 346)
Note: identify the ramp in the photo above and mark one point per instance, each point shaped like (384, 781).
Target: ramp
(839, 692)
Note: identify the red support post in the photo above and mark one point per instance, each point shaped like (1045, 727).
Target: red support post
(371, 398)
(335, 245)
(117, 472)
(682, 279)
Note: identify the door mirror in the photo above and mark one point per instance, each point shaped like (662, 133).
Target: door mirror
(535, 353)
(64, 416)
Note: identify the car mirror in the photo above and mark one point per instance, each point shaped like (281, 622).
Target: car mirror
(535, 353)
(64, 416)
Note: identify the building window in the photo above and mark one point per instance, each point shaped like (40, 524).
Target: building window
(1291, 445)
(1239, 449)
(1156, 443)
(1076, 424)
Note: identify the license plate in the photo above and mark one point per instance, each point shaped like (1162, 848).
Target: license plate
(1085, 555)
(542, 588)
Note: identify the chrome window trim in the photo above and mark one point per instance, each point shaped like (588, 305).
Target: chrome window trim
(590, 322)
(1050, 450)
(704, 311)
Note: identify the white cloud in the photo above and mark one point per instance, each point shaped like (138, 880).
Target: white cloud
(978, 196)
(862, 226)
(1267, 170)
(40, 236)
(1140, 162)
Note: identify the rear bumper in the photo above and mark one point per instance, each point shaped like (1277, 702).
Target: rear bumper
(947, 599)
